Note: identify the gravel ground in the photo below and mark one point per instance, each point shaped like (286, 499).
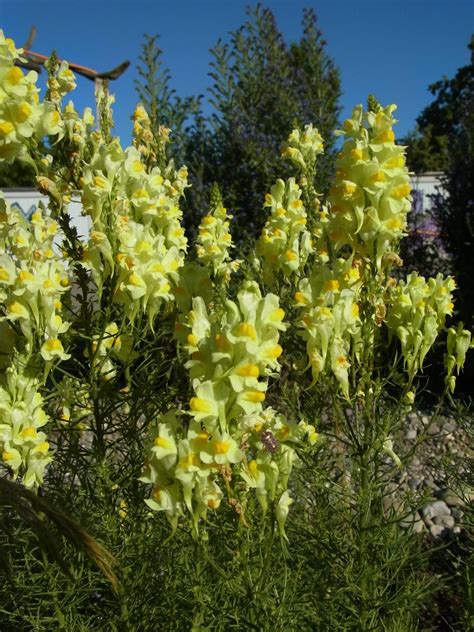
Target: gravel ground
(437, 458)
(431, 478)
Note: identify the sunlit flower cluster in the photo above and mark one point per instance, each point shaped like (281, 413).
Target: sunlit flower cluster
(366, 217)
(303, 147)
(330, 321)
(61, 80)
(74, 407)
(228, 443)
(232, 442)
(284, 244)
(142, 134)
(214, 242)
(23, 446)
(416, 314)
(151, 144)
(33, 280)
(77, 129)
(137, 234)
(370, 197)
(458, 343)
(19, 111)
(105, 347)
(22, 117)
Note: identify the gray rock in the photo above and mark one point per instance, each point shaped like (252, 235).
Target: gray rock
(413, 522)
(419, 526)
(429, 482)
(411, 434)
(457, 530)
(402, 477)
(449, 426)
(414, 483)
(437, 530)
(409, 521)
(435, 508)
(432, 429)
(392, 502)
(445, 521)
(452, 499)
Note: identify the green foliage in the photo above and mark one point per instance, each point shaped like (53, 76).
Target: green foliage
(262, 89)
(31, 509)
(447, 127)
(426, 151)
(430, 145)
(16, 175)
(455, 562)
(191, 494)
(241, 578)
(164, 107)
(444, 141)
(454, 207)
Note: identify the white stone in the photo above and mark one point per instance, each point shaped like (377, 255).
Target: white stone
(436, 530)
(436, 508)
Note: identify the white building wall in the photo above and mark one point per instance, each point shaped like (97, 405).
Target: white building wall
(27, 201)
(427, 184)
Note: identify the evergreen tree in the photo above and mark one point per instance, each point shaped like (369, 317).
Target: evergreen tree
(160, 101)
(454, 206)
(17, 174)
(429, 145)
(445, 141)
(262, 89)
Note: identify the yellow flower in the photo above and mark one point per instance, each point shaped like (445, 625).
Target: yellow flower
(349, 188)
(300, 298)
(16, 310)
(248, 370)
(401, 191)
(254, 396)
(247, 330)
(332, 285)
(272, 352)
(387, 136)
(221, 449)
(52, 349)
(199, 405)
(14, 76)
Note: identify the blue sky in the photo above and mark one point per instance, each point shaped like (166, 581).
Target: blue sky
(391, 48)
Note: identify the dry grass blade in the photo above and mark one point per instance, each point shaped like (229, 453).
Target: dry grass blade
(29, 507)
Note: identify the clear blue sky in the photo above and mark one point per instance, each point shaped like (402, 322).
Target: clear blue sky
(393, 48)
